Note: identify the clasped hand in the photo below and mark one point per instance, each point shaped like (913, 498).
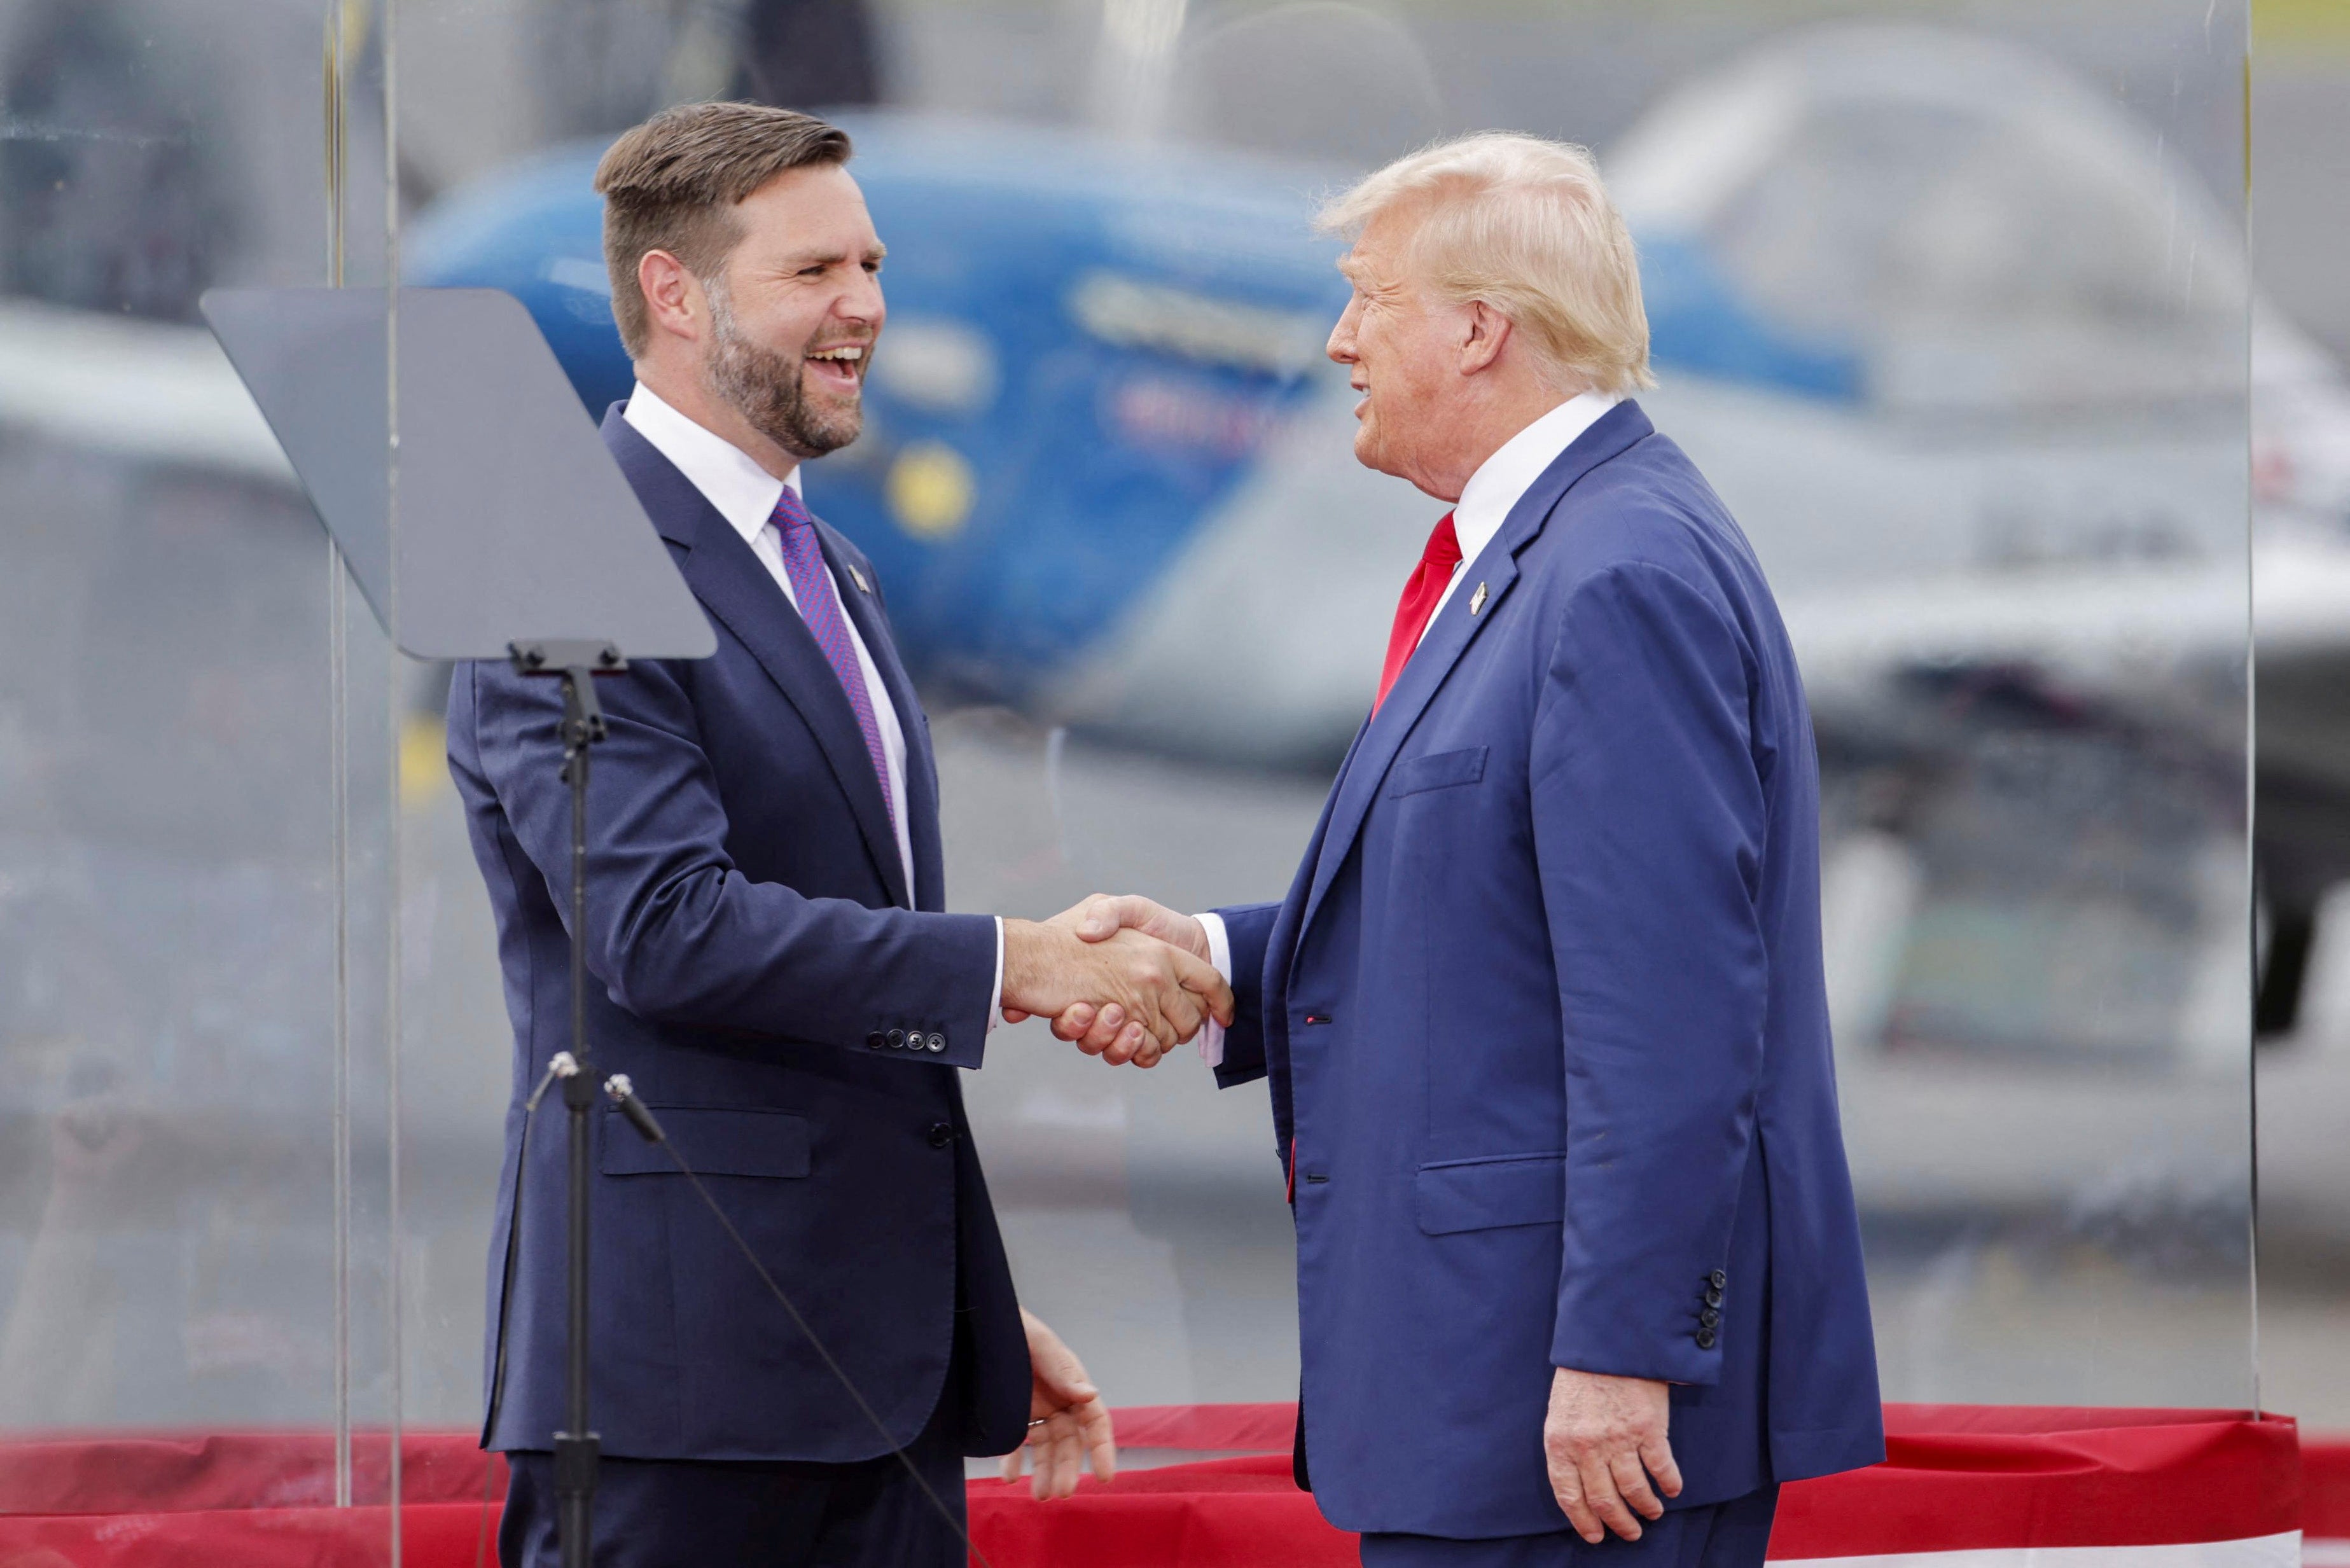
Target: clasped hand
(1121, 978)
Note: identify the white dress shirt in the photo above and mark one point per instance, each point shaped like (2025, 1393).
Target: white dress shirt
(745, 494)
(1500, 482)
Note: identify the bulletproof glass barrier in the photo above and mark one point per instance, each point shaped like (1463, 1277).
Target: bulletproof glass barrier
(1950, 303)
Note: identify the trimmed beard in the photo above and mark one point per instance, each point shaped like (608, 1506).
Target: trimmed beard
(766, 388)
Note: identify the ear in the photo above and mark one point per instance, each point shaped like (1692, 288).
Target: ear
(674, 302)
(1485, 332)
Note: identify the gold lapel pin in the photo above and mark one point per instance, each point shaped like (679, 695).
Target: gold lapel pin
(1477, 600)
(858, 577)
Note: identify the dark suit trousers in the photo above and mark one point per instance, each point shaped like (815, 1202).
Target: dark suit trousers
(1731, 1534)
(686, 1513)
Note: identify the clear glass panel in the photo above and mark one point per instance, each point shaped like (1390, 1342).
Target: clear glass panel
(2301, 487)
(1953, 309)
(194, 750)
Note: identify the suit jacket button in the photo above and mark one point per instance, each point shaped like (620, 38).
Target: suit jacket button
(938, 1042)
(1717, 1280)
(897, 1040)
(1705, 1339)
(1710, 1318)
(1713, 1296)
(942, 1134)
(875, 1041)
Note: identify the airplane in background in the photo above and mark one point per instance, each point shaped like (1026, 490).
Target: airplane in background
(1962, 348)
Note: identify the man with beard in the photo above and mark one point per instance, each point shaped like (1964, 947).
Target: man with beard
(772, 966)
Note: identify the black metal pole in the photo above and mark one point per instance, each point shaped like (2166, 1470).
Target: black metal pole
(576, 1446)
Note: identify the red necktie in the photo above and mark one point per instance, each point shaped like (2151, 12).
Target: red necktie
(1419, 601)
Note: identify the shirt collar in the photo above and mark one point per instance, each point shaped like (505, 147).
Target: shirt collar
(1502, 479)
(728, 477)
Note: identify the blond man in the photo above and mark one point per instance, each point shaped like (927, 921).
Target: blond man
(1579, 1274)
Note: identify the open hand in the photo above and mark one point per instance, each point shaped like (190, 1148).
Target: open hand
(1067, 1421)
(1604, 1439)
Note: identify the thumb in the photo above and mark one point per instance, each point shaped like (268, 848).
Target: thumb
(1103, 918)
(1056, 1367)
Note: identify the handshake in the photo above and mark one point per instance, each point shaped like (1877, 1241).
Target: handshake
(1121, 978)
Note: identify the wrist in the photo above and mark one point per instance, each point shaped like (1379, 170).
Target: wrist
(1026, 966)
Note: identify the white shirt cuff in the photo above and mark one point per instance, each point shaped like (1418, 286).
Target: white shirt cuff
(995, 997)
(1220, 954)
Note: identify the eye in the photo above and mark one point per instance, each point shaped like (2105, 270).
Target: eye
(815, 270)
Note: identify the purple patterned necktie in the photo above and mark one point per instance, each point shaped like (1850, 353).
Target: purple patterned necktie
(820, 608)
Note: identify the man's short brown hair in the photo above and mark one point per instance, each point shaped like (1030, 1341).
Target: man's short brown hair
(672, 184)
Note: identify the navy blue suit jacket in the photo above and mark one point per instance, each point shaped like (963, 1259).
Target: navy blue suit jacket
(1545, 1018)
(758, 968)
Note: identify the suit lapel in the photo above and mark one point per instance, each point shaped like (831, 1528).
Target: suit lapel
(1450, 634)
(735, 587)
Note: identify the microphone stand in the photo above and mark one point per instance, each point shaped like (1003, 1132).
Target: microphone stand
(576, 1448)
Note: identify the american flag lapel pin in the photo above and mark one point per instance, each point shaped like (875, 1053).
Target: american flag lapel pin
(1477, 600)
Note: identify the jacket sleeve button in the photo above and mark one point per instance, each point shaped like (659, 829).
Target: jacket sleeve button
(1710, 1318)
(942, 1134)
(1705, 1339)
(1717, 1280)
(876, 1041)
(897, 1040)
(1713, 1296)
(937, 1043)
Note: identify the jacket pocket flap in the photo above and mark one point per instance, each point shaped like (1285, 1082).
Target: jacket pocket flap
(715, 1140)
(1487, 1194)
(1437, 770)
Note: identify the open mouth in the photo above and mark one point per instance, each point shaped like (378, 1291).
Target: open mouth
(840, 368)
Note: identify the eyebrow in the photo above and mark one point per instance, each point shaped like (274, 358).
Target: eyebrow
(874, 253)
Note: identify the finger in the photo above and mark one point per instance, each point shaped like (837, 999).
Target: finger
(1014, 1016)
(1040, 1443)
(1186, 1012)
(1057, 1475)
(1566, 1485)
(1599, 1490)
(1657, 1453)
(1077, 1023)
(1039, 1449)
(1202, 981)
(1632, 1485)
(1130, 1044)
(1015, 1461)
(1040, 1482)
(1100, 1438)
(1071, 1444)
(1108, 1024)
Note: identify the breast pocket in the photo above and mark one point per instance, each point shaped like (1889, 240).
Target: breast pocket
(1436, 770)
(715, 1140)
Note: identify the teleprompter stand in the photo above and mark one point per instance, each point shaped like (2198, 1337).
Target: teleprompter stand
(576, 1448)
(483, 519)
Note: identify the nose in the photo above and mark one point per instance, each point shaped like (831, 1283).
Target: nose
(1341, 347)
(861, 303)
